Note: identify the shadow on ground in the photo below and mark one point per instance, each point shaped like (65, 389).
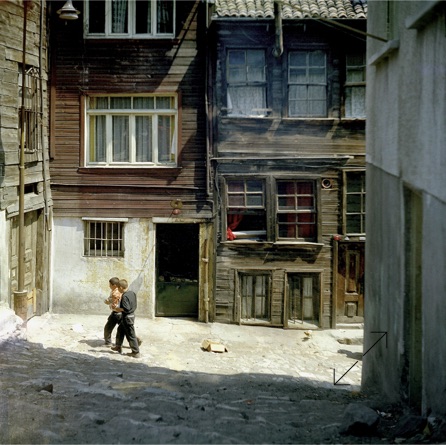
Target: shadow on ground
(57, 396)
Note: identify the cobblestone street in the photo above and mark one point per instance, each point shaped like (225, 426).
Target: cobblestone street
(63, 385)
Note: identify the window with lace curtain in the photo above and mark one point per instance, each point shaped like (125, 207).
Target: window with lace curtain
(355, 70)
(307, 84)
(129, 18)
(131, 131)
(246, 82)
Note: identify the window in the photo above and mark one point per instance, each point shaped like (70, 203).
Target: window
(246, 217)
(303, 298)
(129, 18)
(291, 209)
(355, 68)
(296, 210)
(131, 131)
(246, 77)
(255, 297)
(31, 118)
(104, 239)
(354, 202)
(307, 84)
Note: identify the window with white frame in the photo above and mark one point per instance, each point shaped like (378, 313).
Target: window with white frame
(354, 208)
(296, 210)
(129, 18)
(307, 84)
(104, 238)
(246, 82)
(131, 131)
(355, 81)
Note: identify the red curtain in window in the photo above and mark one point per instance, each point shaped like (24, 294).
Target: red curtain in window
(233, 222)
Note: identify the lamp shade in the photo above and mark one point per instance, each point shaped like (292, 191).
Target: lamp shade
(68, 11)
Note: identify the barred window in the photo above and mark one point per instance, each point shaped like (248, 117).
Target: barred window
(104, 239)
(31, 120)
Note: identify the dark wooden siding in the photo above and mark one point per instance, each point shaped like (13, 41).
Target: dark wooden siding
(275, 145)
(83, 66)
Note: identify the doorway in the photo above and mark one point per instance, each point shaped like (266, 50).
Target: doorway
(177, 265)
(350, 282)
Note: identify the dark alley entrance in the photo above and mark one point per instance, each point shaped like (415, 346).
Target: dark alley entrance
(177, 253)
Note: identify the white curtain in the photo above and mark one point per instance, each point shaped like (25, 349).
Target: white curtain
(119, 16)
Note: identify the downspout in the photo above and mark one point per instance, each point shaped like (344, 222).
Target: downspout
(47, 216)
(42, 138)
(278, 48)
(21, 294)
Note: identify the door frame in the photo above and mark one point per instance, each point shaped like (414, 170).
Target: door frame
(205, 263)
(336, 259)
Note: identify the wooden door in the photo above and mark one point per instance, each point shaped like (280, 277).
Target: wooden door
(350, 283)
(32, 262)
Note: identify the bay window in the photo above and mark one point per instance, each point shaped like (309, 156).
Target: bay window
(131, 131)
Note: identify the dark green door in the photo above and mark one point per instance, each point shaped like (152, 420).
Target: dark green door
(177, 253)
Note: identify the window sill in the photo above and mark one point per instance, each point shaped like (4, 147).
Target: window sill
(134, 169)
(260, 244)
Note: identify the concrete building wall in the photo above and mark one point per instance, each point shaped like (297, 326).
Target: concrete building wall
(80, 283)
(406, 140)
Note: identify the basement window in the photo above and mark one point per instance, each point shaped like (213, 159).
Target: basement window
(104, 238)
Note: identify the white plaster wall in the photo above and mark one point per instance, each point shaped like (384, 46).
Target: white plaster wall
(80, 284)
(406, 140)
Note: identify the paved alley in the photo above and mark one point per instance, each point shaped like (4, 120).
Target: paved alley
(61, 384)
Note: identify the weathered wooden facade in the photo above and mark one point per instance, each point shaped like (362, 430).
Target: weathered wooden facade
(128, 156)
(24, 172)
(287, 131)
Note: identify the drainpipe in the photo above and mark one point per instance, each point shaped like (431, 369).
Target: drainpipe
(278, 49)
(21, 294)
(205, 259)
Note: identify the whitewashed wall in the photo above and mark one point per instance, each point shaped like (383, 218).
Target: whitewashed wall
(80, 283)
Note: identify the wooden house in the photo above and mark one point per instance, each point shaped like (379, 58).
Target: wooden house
(25, 196)
(128, 156)
(287, 156)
